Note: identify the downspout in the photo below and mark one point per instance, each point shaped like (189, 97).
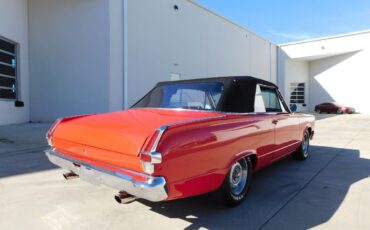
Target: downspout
(125, 50)
(270, 63)
(280, 81)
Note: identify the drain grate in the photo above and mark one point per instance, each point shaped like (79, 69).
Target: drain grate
(6, 141)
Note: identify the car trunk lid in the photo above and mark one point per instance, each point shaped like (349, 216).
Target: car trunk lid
(122, 132)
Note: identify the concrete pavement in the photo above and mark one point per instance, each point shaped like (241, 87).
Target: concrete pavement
(331, 190)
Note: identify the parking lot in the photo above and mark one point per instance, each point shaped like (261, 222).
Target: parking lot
(331, 190)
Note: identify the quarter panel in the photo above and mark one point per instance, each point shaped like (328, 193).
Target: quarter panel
(196, 157)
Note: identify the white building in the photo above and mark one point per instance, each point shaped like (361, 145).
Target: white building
(63, 57)
(76, 57)
(327, 69)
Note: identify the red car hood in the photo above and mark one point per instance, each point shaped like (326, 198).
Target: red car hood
(125, 131)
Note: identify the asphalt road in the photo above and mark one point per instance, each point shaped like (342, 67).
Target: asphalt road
(331, 190)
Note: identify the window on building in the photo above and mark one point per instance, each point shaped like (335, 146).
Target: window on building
(297, 93)
(8, 70)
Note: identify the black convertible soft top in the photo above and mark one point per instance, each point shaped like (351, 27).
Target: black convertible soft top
(239, 91)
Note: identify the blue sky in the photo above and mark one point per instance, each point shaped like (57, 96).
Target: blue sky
(287, 21)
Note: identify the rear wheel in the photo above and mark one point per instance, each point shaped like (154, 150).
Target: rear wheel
(318, 111)
(302, 152)
(236, 184)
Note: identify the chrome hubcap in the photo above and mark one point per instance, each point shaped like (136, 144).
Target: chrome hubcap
(238, 177)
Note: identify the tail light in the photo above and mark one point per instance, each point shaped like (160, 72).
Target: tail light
(49, 134)
(149, 155)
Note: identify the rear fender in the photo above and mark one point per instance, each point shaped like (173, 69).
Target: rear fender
(248, 153)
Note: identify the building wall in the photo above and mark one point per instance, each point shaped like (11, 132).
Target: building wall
(78, 61)
(297, 72)
(74, 69)
(191, 42)
(78, 64)
(327, 46)
(344, 78)
(14, 26)
(336, 68)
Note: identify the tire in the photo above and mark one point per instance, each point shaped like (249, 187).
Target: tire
(236, 184)
(318, 111)
(301, 153)
(339, 111)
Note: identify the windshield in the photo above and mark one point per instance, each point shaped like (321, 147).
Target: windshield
(196, 96)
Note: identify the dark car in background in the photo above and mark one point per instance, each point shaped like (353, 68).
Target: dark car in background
(333, 107)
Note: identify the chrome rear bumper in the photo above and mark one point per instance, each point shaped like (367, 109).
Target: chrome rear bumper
(134, 183)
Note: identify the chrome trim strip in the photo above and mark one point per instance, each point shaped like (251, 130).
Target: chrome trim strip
(52, 130)
(161, 130)
(156, 157)
(177, 109)
(276, 150)
(222, 113)
(290, 145)
(148, 187)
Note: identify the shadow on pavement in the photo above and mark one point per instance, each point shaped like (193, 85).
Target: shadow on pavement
(286, 195)
(21, 149)
(22, 162)
(323, 116)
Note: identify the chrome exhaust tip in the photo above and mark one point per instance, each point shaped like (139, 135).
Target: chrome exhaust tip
(124, 198)
(70, 175)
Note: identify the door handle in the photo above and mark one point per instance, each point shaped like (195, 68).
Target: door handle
(275, 121)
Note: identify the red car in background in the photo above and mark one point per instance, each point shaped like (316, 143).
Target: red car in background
(333, 107)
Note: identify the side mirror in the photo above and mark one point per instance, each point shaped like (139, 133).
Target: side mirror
(293, 107)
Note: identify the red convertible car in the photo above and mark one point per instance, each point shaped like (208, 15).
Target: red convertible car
(182, 139)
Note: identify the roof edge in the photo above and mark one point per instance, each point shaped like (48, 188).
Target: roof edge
(325, 38)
